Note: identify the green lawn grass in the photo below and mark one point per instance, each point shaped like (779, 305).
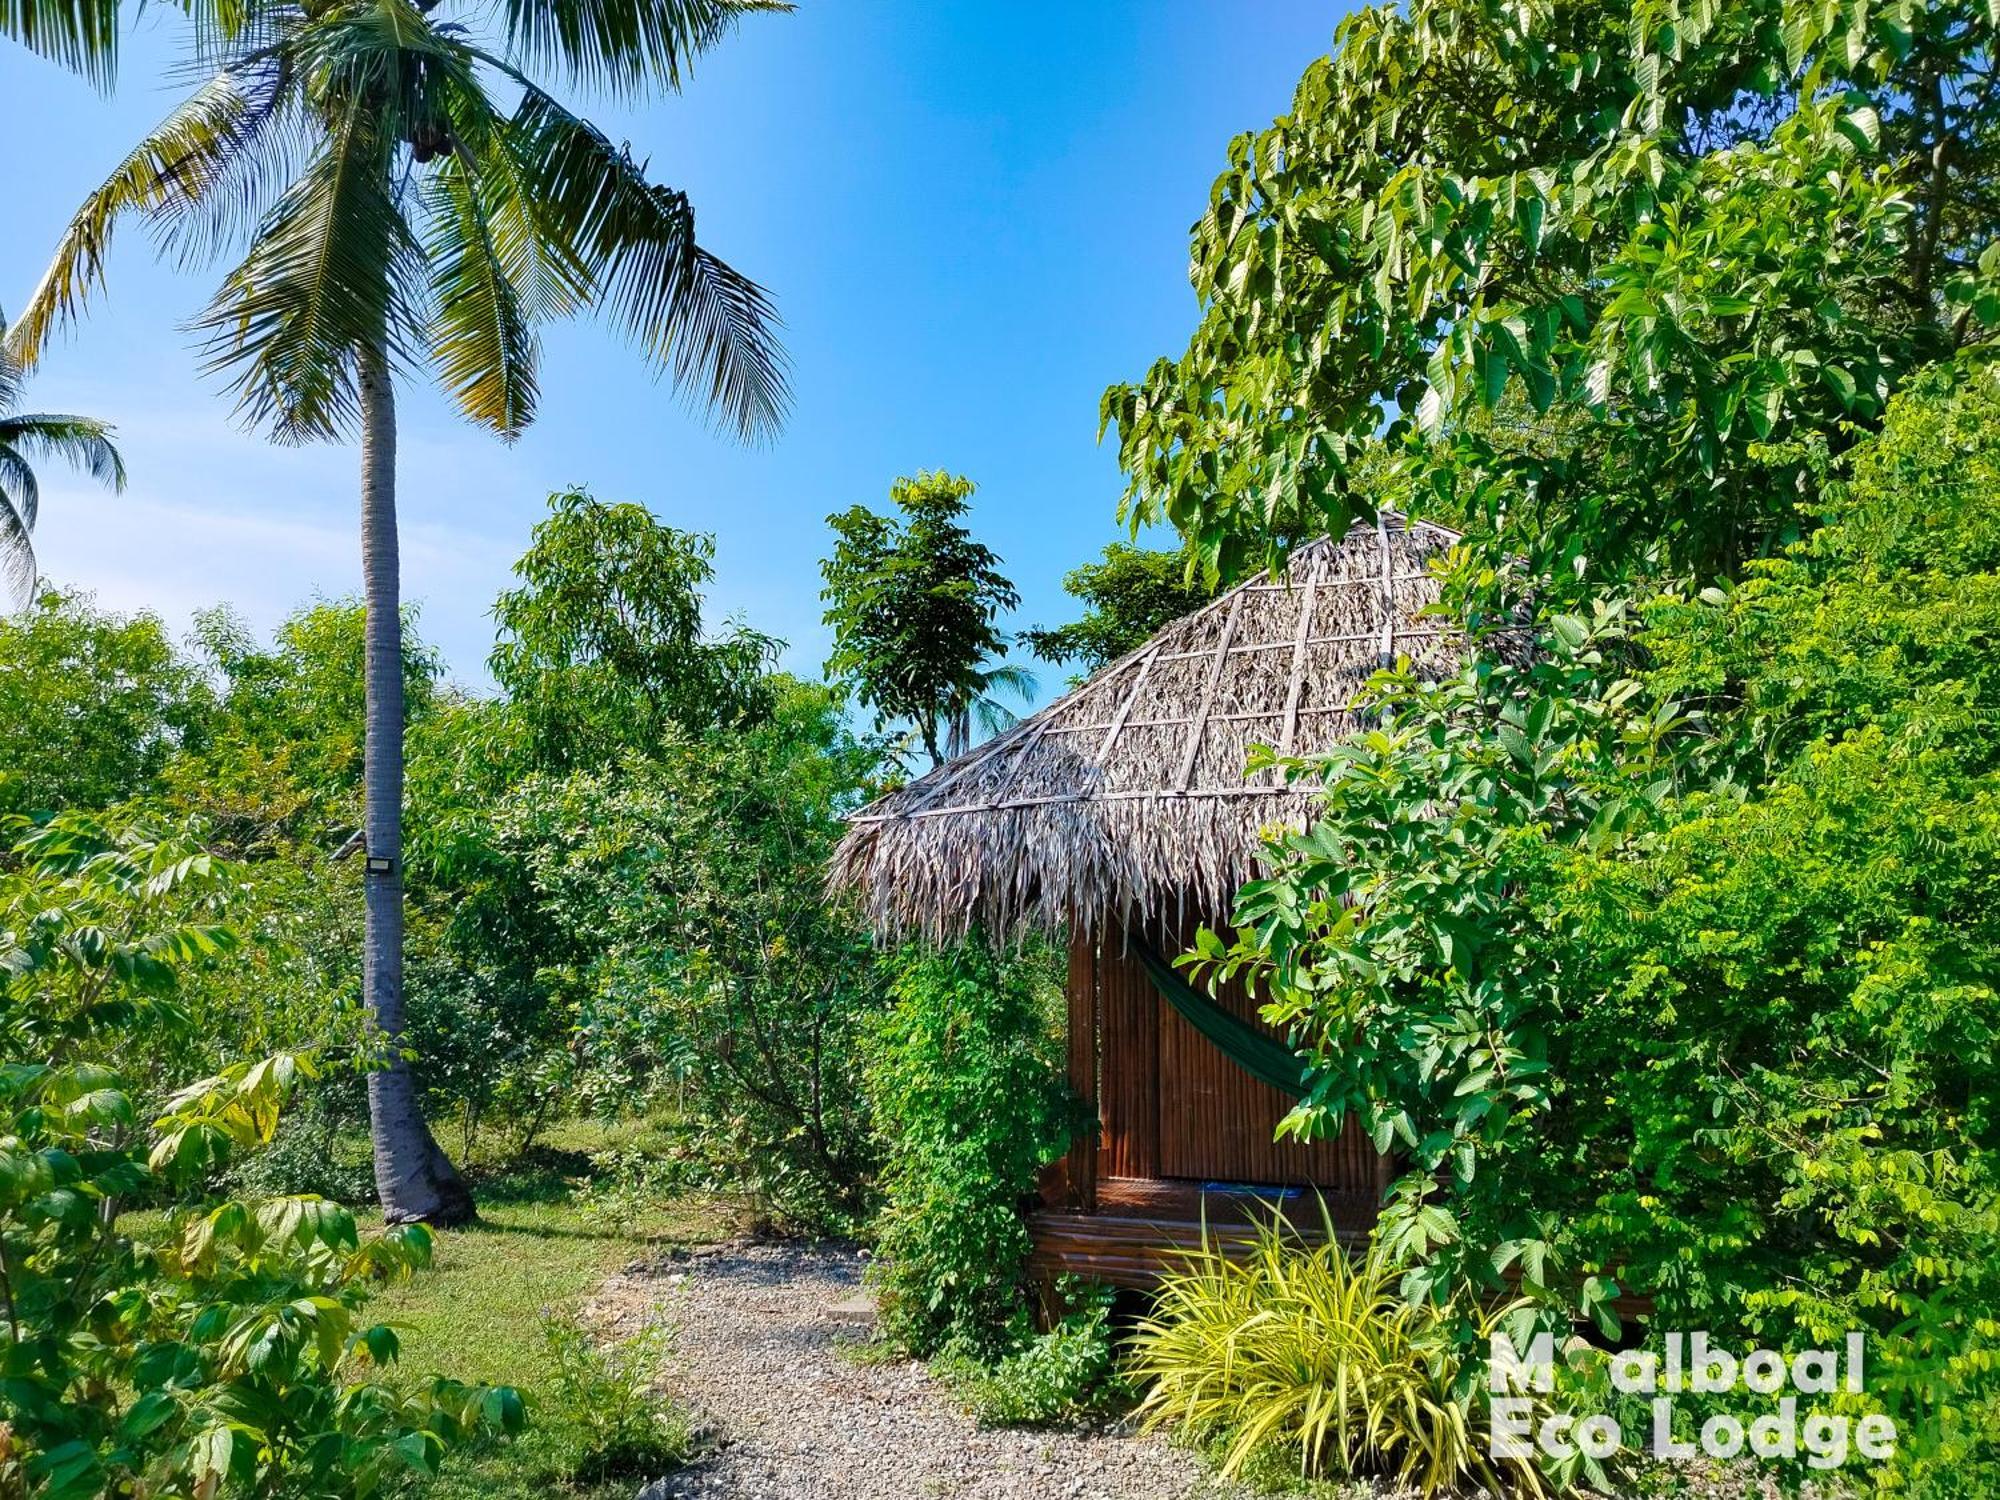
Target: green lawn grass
(477, 1314)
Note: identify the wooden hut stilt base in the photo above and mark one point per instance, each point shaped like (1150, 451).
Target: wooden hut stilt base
(1141, 1227)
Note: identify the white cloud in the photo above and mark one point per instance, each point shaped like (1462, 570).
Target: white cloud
(213, 515)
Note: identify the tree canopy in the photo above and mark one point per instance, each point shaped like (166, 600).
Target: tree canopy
(1586, 274)
(602, 643)
(914, 601)
(92, 705)
(1127, 597)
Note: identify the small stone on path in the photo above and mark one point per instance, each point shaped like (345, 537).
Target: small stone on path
(856, 1311)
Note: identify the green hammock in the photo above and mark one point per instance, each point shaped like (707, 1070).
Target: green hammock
(1251, 1050)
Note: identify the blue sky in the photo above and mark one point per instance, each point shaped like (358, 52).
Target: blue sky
(973, 216)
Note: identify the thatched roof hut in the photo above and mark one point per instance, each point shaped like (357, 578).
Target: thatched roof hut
(1121, 814)
(1128, 794)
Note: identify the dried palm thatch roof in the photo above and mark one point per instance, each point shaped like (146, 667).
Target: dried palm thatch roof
(1129, 794)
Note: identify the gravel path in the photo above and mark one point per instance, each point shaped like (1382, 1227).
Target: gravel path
(795, 1420)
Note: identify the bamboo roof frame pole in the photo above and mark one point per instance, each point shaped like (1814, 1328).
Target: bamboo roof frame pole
(1186, 777)
(1117, 724)
(1388, 647)
(1295, 690)
(1012, 737)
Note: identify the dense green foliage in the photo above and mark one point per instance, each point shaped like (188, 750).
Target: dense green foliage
(1128, 596)
(1601, 264)
(1661, 957)
(691, 950)
(967, 1083)
(913, 600)
(91, 705)
(404, 198)
(228, 1348)
(602, 645)
(277, 760)
(615, 867)
(1068, 1375)
(1672, 956)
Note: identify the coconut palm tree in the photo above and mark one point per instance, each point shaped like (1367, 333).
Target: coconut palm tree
(399, 194)
(979, 709)
(26, 436)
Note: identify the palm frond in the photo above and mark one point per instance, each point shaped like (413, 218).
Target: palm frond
(81, 35)
(274, 140)
(83, 442)
(220, 31)
(540, 263)
(20, 497)
(332, 269)
(389, 53)
(166, 171)
(622, 45)
(10, 371)
(479, 337)
(1008, 677)
(991, 715)
(712, 329)
(20, 489)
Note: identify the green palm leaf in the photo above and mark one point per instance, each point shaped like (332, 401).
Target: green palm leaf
(168, 172)
(20, 498)
(711, 327)
(479, 337)
(83, 442)
(542, 266)
(331, 270)
(81, 35)
(622, 45)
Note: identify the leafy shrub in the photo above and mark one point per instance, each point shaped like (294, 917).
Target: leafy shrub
(967, 1083)
(598, 1409)
(1066, 1375)
(230, 1349)
(1312, 1351)
(691, 946)
(627, 1183)
(1671, 959)
(316, 1150)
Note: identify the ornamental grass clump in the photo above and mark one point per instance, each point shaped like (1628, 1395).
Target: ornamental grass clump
(1309, 1351)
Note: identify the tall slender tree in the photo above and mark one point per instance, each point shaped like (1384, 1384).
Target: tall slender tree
(25, 436)
(404, 196)
(914, 602)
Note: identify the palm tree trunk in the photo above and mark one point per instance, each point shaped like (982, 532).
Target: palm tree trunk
(413, 1177)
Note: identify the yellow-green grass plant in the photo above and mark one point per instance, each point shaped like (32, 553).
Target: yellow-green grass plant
(1310, 1349)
